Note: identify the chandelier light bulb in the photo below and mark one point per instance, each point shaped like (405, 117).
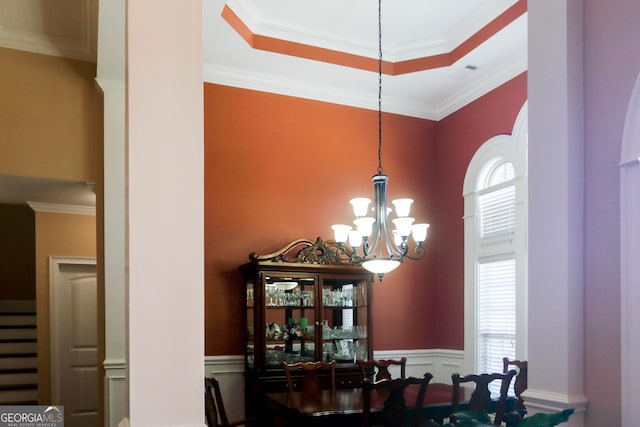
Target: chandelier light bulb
(403, 226)
(355, 238)
(403, 207)
(360, 205)
(364, 225)
(397, 239)
(341, 232)
(419, 232)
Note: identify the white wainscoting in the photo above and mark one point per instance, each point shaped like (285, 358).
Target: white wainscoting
(229, 370)
(115, 391)
(440, 363)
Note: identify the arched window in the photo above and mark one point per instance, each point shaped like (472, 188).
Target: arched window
(495, 251)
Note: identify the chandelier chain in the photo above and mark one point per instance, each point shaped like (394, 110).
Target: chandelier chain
(379, 86)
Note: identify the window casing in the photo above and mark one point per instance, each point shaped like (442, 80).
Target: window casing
(495, 251)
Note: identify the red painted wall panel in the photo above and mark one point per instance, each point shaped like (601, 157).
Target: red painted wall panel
(458, 137)
(278, 168)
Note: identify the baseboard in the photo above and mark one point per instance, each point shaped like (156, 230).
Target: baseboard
(545, 401)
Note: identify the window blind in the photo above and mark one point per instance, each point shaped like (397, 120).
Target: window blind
(497, 211)
(496, 314)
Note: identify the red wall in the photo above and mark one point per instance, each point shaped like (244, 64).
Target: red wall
(278, 168)
(458, 137)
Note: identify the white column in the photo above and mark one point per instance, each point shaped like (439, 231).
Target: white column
(115, 398)
(111, 79)
(629, 255)
(556, 193)
(165, 182)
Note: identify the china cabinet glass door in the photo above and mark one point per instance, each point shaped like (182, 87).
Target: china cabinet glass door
(344, 320)
(290, 318)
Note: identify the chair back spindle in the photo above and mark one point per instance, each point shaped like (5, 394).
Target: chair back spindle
(381, 368)
(480, 400)
(311, 383)
(520, 384)
(394, 411)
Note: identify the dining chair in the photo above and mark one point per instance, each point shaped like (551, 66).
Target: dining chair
(379, 369)
(480, 400)
(394, 412)
(214, 407)
(316, 376)
(520, 383)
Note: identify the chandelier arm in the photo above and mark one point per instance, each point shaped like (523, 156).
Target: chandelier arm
(419, 251)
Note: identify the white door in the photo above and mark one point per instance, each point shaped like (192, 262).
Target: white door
(74, 339)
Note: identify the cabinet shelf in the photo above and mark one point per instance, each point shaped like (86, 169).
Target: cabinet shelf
(344, 307)
(287, 307)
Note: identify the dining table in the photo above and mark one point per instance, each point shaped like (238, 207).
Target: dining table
(343, 406)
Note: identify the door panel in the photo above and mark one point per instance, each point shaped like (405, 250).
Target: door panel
(74, 327)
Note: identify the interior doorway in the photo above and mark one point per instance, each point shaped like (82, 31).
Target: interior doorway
(74, 339)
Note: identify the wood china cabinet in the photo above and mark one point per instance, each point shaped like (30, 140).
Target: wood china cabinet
(305, 302)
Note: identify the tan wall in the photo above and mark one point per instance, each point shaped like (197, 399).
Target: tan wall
(51, 126)
(56, 235)
(50, 117)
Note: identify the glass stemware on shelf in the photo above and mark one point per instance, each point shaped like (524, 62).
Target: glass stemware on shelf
(345, 297)
(344, 332)
(279, 298)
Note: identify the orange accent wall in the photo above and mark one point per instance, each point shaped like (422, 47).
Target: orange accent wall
(278, 168)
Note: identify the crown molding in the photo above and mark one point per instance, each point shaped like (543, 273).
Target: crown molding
(268, 83)
(83, 49)
(62, 209)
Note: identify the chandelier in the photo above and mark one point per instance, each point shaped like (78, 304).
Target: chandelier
(374, 244)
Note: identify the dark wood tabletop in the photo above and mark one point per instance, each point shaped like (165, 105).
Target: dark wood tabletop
(345, 405)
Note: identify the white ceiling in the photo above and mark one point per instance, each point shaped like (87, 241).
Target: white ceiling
(410, 29)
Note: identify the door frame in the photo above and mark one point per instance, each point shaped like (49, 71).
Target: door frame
(55, 265)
